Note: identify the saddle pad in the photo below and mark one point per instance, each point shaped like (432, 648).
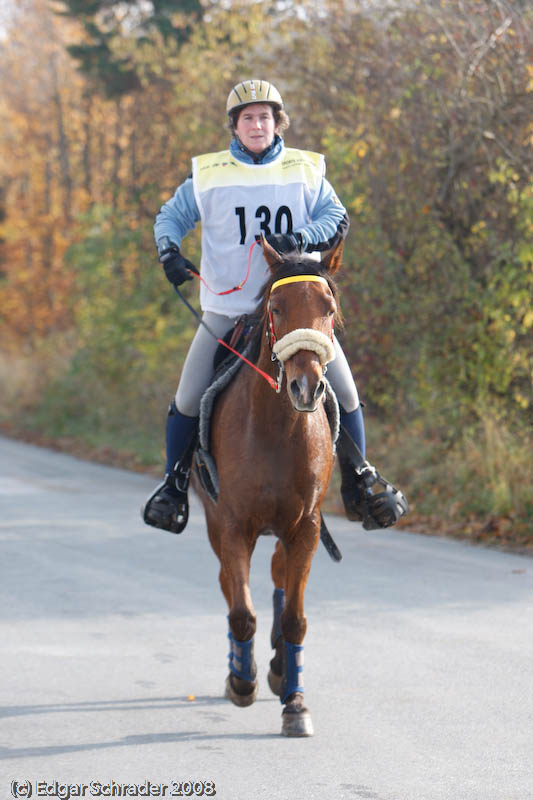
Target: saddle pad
(221, 380)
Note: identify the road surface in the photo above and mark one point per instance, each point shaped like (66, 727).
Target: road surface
(419, 657)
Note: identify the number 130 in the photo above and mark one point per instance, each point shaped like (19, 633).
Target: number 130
(264, 214)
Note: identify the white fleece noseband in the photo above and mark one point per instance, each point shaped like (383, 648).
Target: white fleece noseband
(304, 339)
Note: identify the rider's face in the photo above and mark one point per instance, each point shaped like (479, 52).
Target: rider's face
(256, 127)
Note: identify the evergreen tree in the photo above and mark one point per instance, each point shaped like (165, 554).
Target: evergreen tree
(105, 20)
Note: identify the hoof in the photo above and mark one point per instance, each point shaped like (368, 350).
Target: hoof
(297, 724)
(296, 719)
(274, 681)
(241, 700)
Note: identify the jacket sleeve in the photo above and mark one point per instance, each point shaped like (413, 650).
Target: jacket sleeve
(329, 221)
(177, 216)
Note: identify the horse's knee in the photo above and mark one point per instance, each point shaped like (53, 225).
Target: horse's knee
(242, 622)
(293, 627)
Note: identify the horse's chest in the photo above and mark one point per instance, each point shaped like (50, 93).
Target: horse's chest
(294, 458)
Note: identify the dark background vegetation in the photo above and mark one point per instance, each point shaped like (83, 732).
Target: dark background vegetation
(423, 110)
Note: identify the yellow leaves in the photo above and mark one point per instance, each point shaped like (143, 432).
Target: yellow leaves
(360, 149)
(338, 140)
(504, 173)
(357, 204)
(521, 400)
(529, 87)
(395, 113)
(510, 336)
(527, 320)
(160, 326)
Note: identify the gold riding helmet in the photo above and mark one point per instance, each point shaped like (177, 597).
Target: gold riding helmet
(253, 92)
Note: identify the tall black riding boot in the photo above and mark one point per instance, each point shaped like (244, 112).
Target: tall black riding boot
(359, 479)
(168, 506)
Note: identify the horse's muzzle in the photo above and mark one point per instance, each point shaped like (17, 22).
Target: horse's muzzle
(304, 395)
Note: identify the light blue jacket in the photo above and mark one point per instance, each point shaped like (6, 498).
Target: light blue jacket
(180, 214)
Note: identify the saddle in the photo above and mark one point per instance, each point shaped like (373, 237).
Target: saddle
(226, 368)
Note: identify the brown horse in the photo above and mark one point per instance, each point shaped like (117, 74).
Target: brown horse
(274, 460)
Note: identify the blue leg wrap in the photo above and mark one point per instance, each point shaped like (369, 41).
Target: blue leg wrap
(279, 605)
(354, 423)
(293, 671)
(241, 659)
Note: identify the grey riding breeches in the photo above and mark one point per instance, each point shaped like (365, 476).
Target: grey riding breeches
(197, 372)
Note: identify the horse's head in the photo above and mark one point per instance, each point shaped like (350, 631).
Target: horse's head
(301, 310)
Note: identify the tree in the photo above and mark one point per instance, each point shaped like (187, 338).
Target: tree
(423, 113)
(106, 22)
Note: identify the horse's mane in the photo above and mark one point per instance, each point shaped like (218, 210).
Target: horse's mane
(287, 268)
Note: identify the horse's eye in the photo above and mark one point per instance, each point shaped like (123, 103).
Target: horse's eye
(331, 312)
(275, 310)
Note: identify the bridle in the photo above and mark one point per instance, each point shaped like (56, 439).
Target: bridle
(300, 338)
(284, 348)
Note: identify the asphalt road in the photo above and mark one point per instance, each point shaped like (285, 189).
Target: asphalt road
(419, 657)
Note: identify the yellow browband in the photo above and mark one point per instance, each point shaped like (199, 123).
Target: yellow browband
(298, 279)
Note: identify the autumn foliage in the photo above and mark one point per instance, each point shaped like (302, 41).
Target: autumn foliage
(423, 111)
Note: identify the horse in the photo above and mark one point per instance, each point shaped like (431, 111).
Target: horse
(274, 455)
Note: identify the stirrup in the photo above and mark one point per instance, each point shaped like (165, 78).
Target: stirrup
(167, 507)
(375, 510)
(381, 509)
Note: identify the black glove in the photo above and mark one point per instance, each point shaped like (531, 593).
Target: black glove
(285, 242)
(177, 268)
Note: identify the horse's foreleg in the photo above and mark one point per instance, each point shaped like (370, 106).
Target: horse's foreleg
(278, 577)
(299, 555)
(241, 683)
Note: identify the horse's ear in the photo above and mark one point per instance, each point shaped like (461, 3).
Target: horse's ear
(333, 258)
(271, 256)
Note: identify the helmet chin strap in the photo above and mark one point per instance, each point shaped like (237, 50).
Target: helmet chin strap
(257, 158)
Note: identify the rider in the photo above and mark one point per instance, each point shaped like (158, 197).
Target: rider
(257, 186)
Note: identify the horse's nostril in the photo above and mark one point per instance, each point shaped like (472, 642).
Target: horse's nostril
(295, 389)
(321, 386)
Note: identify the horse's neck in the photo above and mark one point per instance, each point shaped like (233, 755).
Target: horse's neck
(264, 421)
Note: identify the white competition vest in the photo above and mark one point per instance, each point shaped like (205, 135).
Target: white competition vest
(238, 202)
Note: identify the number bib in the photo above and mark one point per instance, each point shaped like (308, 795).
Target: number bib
(237, 203)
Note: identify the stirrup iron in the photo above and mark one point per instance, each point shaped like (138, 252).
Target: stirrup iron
(383, 508)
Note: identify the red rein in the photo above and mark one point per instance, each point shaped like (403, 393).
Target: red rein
(274, 384)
